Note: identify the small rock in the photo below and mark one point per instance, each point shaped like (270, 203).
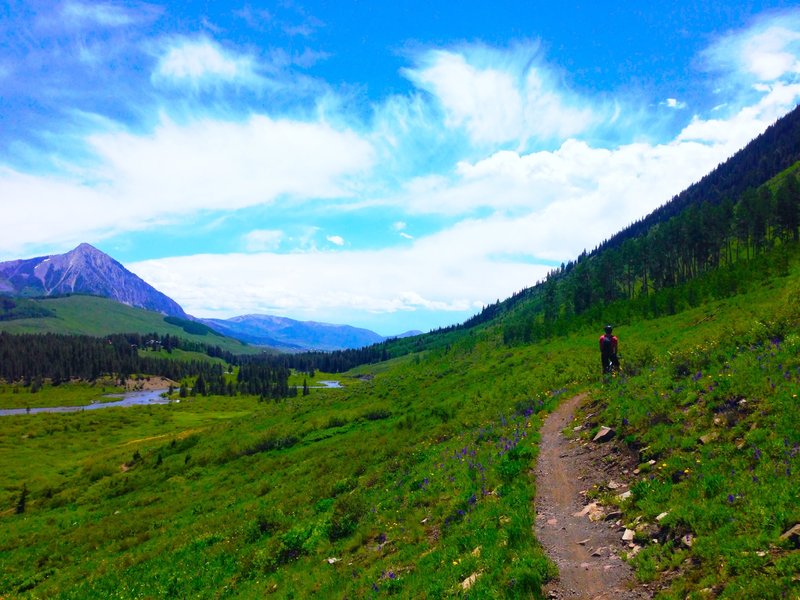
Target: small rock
(613, 515)
(332, 560)
(477, 552)
(584, 542)
(599, 551)
(552, 521)
(660, 517)
(597, 515)
(470, 581)
(604, 434)
(578, 428)
(688, 540)
(613, 485)
(628, 535)
(625, 495)
(585, 565)
(586, 510)
(708, 438)
(634, 551)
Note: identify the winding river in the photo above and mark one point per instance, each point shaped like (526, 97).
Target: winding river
(127, 399)
(147, 397)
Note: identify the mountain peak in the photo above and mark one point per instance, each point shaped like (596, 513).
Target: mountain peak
(84, 270)
(84, 248)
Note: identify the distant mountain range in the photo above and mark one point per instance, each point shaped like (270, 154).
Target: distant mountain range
(87, 270)
(290, 335)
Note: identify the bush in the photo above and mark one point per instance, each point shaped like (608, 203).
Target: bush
(347, 512)
(377, 414)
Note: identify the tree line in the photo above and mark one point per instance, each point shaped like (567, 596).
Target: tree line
(32, 358)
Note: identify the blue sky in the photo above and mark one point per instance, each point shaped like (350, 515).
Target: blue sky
(393, 166)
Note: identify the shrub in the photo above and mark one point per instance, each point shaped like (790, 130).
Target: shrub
(347, 512)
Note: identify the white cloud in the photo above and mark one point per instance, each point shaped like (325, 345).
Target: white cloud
(511, 100)
(229, 165)
(145, 180)
(674, 103)
(771, 54)
(748, 122)
(263, 240)
(336, 240)
(330, 285)
(203, 61)
(767, 51)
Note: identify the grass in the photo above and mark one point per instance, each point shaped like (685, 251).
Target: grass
(66, 394)
(718, 412)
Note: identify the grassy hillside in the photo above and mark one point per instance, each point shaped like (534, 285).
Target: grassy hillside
(415, 477)
(92, 315)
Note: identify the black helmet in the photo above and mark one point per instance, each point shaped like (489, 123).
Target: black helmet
(608, 328)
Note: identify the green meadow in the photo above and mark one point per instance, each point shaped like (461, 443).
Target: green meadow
(68, 394)
(415, 477)
(92, 315)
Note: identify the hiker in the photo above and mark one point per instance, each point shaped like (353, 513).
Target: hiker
(608, 351)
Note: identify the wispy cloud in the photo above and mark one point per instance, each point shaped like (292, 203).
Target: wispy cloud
(499, 97)
(203, 61)
(263, 240)
(767, 51)
(104, 14)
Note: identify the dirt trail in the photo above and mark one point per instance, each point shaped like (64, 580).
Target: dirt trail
(585, 541)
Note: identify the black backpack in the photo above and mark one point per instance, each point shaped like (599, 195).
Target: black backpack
(608, 345)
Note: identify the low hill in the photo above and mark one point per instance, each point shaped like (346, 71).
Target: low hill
(96, 316)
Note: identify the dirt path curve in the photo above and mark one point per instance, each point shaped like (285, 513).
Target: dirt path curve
(583, 540)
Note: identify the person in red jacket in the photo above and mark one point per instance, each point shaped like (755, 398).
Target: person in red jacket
(609, 345)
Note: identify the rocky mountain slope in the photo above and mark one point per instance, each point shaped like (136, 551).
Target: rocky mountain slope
(84, 270)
